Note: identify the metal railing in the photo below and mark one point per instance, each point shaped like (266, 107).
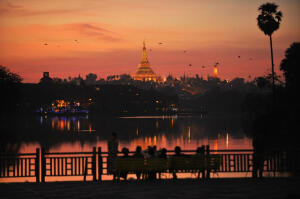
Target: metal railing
(42, 164)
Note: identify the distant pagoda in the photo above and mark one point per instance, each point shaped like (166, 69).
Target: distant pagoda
(144, 71)
(216, 73)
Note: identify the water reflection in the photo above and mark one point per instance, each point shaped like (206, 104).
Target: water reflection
(71, 124)
(81, 133)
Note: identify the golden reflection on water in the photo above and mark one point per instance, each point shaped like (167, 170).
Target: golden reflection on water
(190, 138)
(227, 142)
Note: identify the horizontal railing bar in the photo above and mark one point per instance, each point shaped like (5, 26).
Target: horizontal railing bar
(194, 151)
(69, 153)
(16, 155)
(232, 150)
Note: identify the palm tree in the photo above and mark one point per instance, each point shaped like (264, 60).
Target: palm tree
(268, 21)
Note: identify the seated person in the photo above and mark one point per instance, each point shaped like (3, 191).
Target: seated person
(199, 151)
(177, 154)
(178, 151)
(200, 162)
(138, 154)
(152, 174)
(163, 153)
(125, 152)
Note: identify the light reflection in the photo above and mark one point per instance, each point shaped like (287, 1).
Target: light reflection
(71, 124)
(189, 134)
(227, 142)
(78, 125)
(215, 145)
(162, 138)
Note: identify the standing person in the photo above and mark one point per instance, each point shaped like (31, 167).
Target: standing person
(112, 145)
(258, 155)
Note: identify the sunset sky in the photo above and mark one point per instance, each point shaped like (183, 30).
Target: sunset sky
(110, 33)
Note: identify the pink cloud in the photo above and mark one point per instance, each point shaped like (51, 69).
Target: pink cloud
(12, 10)
(93, 31)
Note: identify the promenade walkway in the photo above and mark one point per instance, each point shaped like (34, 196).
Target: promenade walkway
(281, 188)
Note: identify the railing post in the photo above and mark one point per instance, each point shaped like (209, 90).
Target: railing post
(37, 165)
(43, 165)
(203, 155)
(94, 164)
(208, 158)
(100, 166)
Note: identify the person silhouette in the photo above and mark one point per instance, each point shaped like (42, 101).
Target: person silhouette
(177, 154)
(258, 155)
(138, 154)
(112, 145)
(125, 153)
(162, 155)
(200, 156)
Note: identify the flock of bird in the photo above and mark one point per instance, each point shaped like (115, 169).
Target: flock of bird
(160, 43)
(203, 66)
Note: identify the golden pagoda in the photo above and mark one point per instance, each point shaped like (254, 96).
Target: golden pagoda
(144, 71)
(216, 72)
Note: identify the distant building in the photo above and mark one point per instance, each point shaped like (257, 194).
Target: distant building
(144, 71)
(46, 78)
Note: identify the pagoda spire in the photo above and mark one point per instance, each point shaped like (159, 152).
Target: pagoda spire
(144, 54)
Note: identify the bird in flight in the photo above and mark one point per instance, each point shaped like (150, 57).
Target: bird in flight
(184, 51)
(217, 63)
(190, 64)
(160, 43)
(250, 58)
(76, 41)
(203, 66)
(45, 44)
(239, 56)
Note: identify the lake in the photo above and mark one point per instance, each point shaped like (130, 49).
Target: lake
(82, 133)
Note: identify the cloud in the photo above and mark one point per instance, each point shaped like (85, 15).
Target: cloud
(13, 10)
(9, 5)
(94, 31)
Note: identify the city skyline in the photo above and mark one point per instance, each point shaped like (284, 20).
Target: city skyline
(103, 37)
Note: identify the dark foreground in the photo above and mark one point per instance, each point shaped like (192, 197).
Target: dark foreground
(216, 188)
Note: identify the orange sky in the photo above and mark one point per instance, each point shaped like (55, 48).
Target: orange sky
(110, 35)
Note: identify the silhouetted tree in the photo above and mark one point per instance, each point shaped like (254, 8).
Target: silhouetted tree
(261, 82)
(7, 77)
(290, 66)
(10, 90)
(268, 21)
(90, 79)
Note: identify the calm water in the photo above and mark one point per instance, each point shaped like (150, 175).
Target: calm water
(81, 133)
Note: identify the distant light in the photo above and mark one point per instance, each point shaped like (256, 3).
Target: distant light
(227, 138)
